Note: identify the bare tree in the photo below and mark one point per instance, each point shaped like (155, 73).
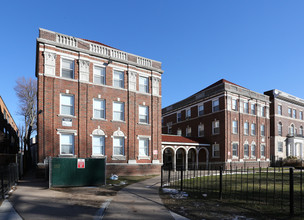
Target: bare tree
(26, 91)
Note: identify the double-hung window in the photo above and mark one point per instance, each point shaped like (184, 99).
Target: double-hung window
(118, 146)
(262, 150)
(143, 146)
(98, 147)
(188, 113)
(280, 146)
(99, 75)
(262, 130)
(201, 110)
(246, 150)
(301, 115)
(67, 104)
(294, 113)
(216, 150)
(118, 111)
(179, 116)
(235, 149)
(253, 129)
(253, 112)
(215, 127)
(246, 128)
(279, 109)
(67, 68)
(234, 105)
(246, 107)
(118, 79)
(179, 132)
(289, 112)
(99, 106)
(66, 143)
(201, 130)
(188, 131)
(280, 126)
(215, 105)
(234, 127)
(144, 114)
(263, 111)
(144, 84)
(252, 150)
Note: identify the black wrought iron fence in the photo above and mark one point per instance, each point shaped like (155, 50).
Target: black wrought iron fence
(278, 187)
(9, 177)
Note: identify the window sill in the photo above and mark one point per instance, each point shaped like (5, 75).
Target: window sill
(67, 155)
(118, 157)
(67, 116)
(98, 119)
(140, 123)
(216, 157)
(118, 121)
(98, 156)
(235, 157)
(144, 158)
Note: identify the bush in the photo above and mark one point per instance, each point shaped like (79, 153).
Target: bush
(292, 161)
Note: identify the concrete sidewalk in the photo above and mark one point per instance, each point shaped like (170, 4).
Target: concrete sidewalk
(139, 201)
(8, 212)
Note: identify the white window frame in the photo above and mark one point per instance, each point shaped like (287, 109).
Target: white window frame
(179, 116)
(246, 107)
(143, 148)
(234, 127)
(145, 116)
(73, 67)
(263, 150)
(188, 113)
(280, 129)
(216, 150)
(253, 108)
(201, 130)
(143, 83)
(280, 108)
(102, 146)
(262, 130)
(253, 129)
(253, 150)
(294, 113)
(121, 146)
(263, 111)
(104, 110)
(201, 110)
(246, 153)
(246, 130)
(72, 144)
(179, 132)
(301, 115)
(117, 82)
(235, 151)
(280, 148)
(101, 76)
(234, 105)
(70, 106)
(290, 112)
(215, 129)
(215, 108)
(122, 113)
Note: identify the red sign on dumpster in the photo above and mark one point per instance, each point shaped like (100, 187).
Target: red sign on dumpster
(81, 163)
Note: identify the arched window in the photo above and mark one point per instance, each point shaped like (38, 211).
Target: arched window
(280, 128)
(291, 130)
(98, 142)
(301, 131)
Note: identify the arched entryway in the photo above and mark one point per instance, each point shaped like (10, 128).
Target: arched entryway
(168, 157)
(180, 158)
(203, 159)
(192, 159)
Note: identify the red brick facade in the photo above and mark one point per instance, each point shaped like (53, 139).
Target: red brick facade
(231, 100)
(82, 89)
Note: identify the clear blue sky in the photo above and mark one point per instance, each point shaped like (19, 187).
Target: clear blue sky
(257, 44)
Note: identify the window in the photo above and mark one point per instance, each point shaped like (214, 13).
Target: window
(246, 128)
(289, 112)
(215, 127)
(301, 131)
(252, 150)
(246, 107)
(66, 143)
(234, 127)
(188, 131)
(262, 150)
(246, 150)
(201, 130)
(253, 109)
(215, 150)
(280, 146)
(143, 84)
(118, 111)
(263, 111)
(301, 115)
(179, 132)
(99, 75)
(118, 79)
(118, 146)
(235, 149)
(262, 130)
(280, 129)
(169, 126)
(179, 116)
(98, 145)
(279, 109)
(99, 109)
(143, 146)
(201, 110)
(4, 115)
(234, 105)
(253, 129)
(67, 68)
(66, 104)
(188, 113)
(294, 113)
(144, 114)
(215, 105)
(291, 130)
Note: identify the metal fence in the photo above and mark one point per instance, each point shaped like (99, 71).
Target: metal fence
(278, 187)
(9, 177)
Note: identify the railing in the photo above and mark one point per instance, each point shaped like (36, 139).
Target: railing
(66, 40)
(279, 188)
(8, 176)
(144, 62)
(117, 54)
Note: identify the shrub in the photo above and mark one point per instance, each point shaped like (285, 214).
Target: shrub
(292, 161)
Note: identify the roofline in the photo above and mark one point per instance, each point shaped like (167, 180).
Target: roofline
(9, 113)
(183, 143)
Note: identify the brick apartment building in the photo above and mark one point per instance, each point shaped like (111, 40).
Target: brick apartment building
(9, 132)
(286, 125)
(98, 101)
(232, 120)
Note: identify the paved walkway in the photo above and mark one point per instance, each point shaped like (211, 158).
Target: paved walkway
(139, 201)
(33, 200)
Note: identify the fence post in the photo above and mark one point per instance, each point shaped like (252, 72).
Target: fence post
(2, 183)
(161, 176)
(291, 191)
(182, 176)
(221, 183)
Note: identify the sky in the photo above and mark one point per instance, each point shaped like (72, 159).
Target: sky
(257, 44)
